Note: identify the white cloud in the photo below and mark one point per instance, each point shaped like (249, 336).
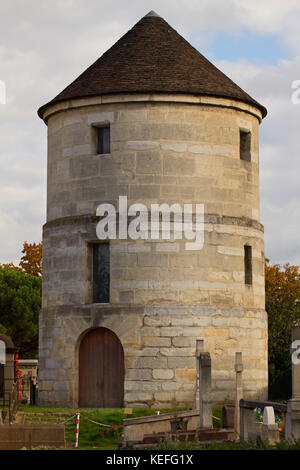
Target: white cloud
(279, 153)
(45, 45)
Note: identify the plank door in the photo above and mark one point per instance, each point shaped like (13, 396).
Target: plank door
(101, 370)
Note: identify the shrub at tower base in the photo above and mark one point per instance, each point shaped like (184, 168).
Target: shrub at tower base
(20, 303)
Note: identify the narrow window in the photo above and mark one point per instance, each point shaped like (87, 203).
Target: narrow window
(103, 144)
(248, 264)
(101, 272)
(245, 145)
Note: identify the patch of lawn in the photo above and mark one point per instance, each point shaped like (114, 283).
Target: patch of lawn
(45, 409)
(217, 415)
(91, 436)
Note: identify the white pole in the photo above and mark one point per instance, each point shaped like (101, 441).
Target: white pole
(77, 429)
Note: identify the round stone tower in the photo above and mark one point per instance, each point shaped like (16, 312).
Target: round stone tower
(155, 122)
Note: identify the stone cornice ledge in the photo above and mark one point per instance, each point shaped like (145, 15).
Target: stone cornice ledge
(152, 97)
(208, 219)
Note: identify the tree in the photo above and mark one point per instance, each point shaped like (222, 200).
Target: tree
(283, 308)
(31, 261)
(20, 303)
(20, 299)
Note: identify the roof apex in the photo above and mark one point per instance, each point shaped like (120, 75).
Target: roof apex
(152, 13)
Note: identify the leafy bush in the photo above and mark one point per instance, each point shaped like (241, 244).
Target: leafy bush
(20, 303)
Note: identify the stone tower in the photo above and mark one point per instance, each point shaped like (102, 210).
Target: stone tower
(153, 120)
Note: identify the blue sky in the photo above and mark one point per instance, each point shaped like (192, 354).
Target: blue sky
(259, 49)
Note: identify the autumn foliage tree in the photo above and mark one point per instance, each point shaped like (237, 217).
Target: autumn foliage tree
(31, 261)
(283, 308)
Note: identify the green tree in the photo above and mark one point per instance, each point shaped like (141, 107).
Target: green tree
(20, 303)
(283, 308)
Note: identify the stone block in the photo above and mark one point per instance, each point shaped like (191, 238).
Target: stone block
(184, 321)
(163, 374)
(163, 396)
(148, 162)
(183, 342)
(157, 320)
(142, 145)
(181, 362)
(100, 118)
(124, 259)
(144, 386)
(151, 362)
(184, 396)
(167, 247)
(126, 297)
(54, 363)
(156, 341)
(132, 397)
(185, 375)
(171, 386)
(174, 165)
(139, 374)
(144, 192)
(149, 351)
(57, 386)
(172, 331)
(46, 385)
(151, 259)
(178, 352)
(174, 147)
(60, 397)
(147, 331)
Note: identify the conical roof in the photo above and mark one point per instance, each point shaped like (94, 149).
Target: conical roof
(152, 58)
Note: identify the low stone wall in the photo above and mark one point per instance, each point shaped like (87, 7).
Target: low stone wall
(14, 437)
(136, 428)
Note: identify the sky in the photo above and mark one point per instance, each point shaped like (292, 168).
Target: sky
(45, 44)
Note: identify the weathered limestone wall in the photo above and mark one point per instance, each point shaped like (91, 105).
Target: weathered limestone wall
(160, 152)
(163, 297)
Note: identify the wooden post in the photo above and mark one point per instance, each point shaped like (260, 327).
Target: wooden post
(238, 390)
(205, 391)
(199, 349)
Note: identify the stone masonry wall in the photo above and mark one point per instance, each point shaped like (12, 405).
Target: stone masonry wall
(159, 347)
(163, 297)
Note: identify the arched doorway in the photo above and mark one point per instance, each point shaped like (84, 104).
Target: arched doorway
(101, 370)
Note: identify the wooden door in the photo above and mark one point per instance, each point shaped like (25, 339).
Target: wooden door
(101, 370)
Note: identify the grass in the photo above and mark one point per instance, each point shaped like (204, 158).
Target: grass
(217, 414)
(91, 436)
